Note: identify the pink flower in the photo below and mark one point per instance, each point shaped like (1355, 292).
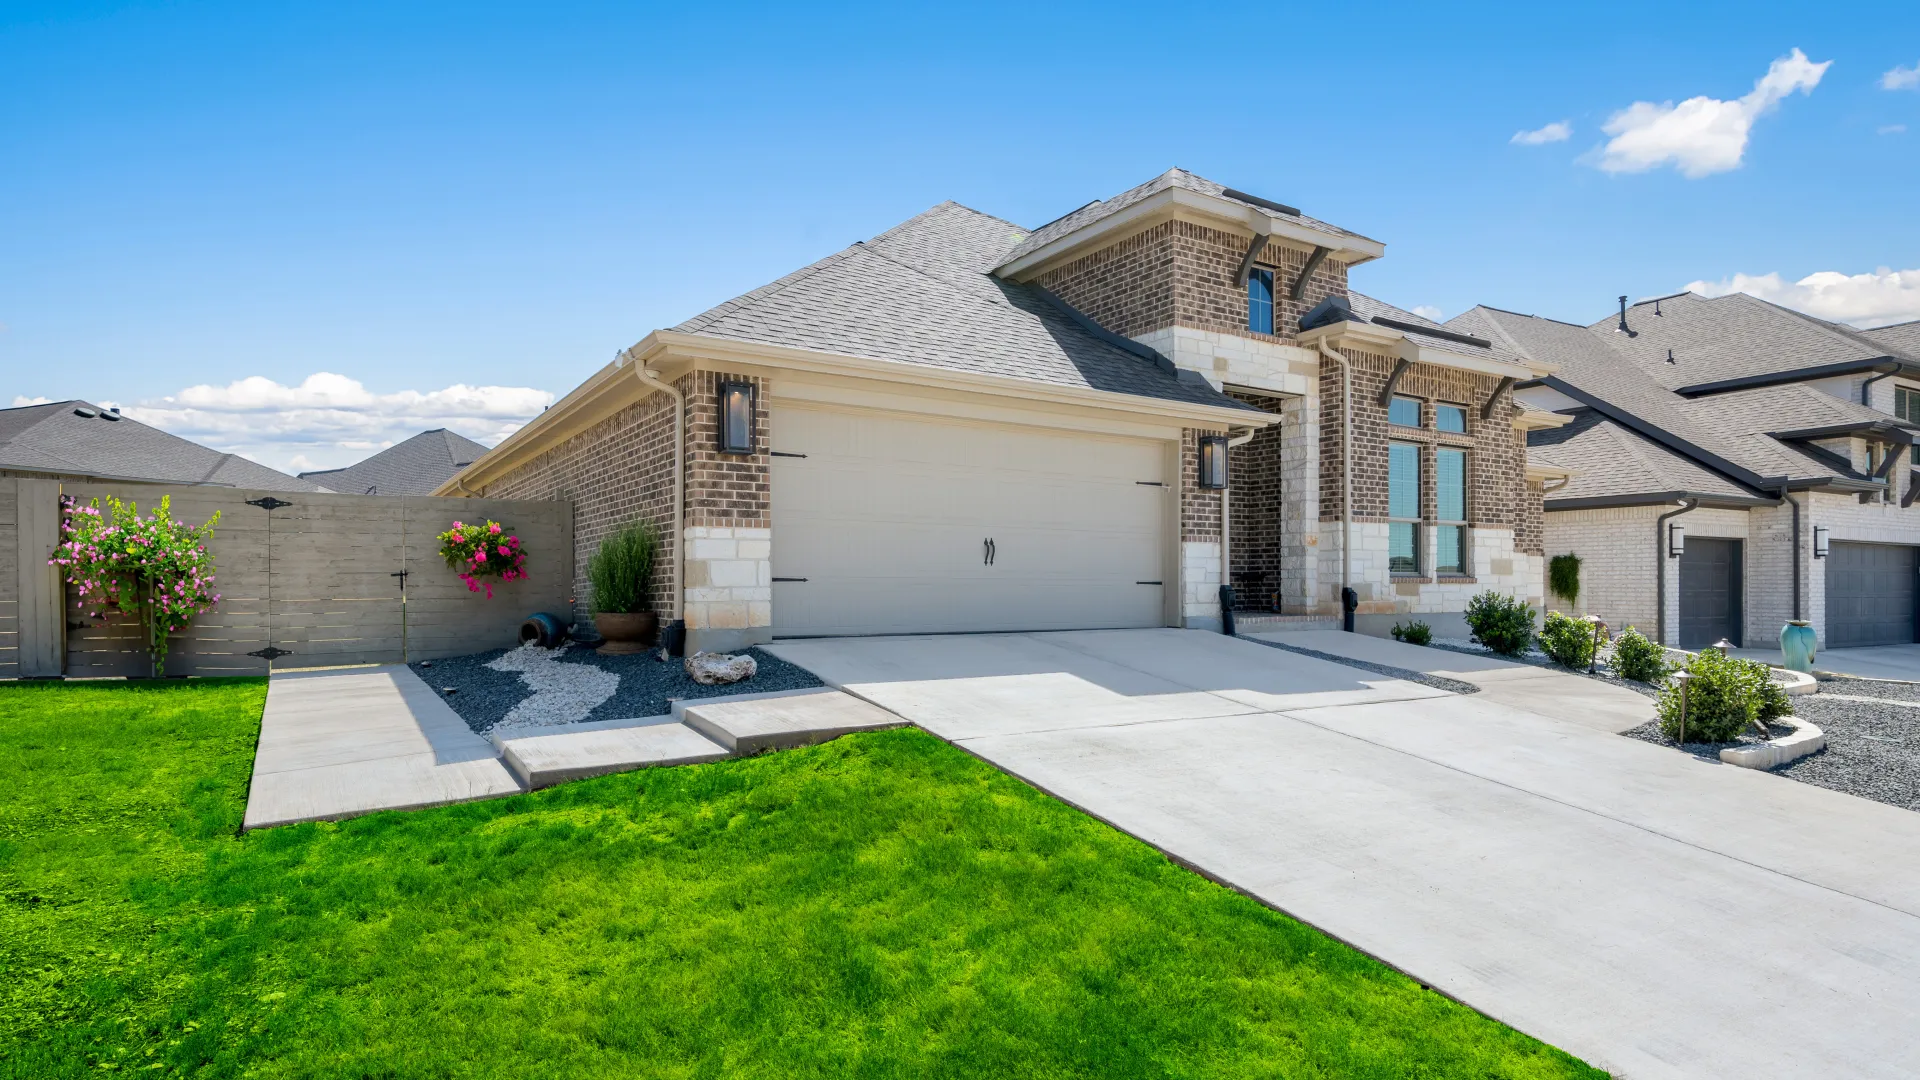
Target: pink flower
(493, 527)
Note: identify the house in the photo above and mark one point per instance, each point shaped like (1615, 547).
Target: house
(967, 425)
(416, 466)
(80, 441)
(1733, 464)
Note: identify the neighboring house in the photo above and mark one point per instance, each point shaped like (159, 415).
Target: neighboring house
(417, 466)
(965, 425)
(76, 440)
(1778, 444)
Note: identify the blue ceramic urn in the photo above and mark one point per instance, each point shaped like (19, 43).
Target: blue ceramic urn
(1798, 644)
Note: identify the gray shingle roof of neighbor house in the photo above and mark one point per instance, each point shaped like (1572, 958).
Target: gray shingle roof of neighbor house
(1172, 178)
(1610, 462)
(1729, 434)
(922, 293)
(414, 467)
(1902, 336)
(1733, 338)
(54, 438)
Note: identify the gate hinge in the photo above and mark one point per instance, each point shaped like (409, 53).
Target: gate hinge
(268, 503)
(271, 653)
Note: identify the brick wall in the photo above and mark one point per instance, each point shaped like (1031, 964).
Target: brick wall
(725, 490)
(618, 471)
(1182, 274)
(1257, 512)
(1199, 507)
(1497, 492)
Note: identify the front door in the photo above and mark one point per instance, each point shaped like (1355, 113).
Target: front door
(1709, 591)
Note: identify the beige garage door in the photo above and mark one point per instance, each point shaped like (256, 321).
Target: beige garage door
(894, 524)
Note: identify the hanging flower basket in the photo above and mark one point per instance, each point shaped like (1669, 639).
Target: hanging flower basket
(153, 568)
(482, 554)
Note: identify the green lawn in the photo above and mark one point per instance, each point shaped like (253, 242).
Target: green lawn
(882, 905)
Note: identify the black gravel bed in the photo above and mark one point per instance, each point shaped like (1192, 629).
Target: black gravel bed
(1601, 673)
(1873, 749)
(1710, 751)
(483, 697)
(1421, 677)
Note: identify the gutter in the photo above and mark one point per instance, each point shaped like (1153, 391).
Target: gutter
(1775, 378)
(1866, 385)
(652, 381)
(1660, 565)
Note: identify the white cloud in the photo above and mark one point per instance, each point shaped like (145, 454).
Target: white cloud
(1876, 299)
(1428, 311)
(1558, 131)
(1702, 135)
(21, 401)
(330, 420)
(1901, 78)
(1892, 129)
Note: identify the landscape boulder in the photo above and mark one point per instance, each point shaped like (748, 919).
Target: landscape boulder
(716, 669)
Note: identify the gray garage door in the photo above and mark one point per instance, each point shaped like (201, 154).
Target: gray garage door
(1709, 592)
(1870, 594)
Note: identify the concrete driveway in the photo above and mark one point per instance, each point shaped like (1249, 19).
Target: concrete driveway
(1652, 913)
(1868, 662)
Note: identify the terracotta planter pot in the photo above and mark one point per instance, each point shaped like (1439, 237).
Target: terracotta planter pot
(626, 632)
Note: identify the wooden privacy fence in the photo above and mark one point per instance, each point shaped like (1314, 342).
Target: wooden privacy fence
(306, 580)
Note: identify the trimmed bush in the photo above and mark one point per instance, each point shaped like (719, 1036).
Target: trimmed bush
(620, 569)
(1500, 622)
(1636, 657)
(1724, 698)
(1413, 633)
(1568, 640)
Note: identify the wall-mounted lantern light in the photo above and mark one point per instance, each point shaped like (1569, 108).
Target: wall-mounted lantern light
(736, 418)
(1819, 541)
(1213, 461)
(1676, 540)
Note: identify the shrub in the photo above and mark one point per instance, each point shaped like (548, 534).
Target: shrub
(1500, 622)
(1724, 697)
(154, 568)
(1636, 657)
(620, 569)
(1413, 633)
(1563, 577)
(1568, 640)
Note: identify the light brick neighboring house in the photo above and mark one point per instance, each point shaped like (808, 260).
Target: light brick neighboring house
(965, 425)
(1747, 426)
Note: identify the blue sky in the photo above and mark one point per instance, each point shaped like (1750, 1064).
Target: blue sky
(469, 196)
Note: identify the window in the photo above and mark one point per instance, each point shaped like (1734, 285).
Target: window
(1450, 418)
(1450, 511)
(1906, 404)
(1404, 411)
(1260, 301)
(1403, 508)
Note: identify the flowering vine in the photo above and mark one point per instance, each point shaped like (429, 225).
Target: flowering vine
(153, 568)
(481, 553)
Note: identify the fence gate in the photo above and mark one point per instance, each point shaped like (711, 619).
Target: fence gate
(321, 580)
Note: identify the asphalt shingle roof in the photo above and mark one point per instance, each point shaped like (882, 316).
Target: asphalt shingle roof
(1904, 337)
(1731, 337)
(1372, 308)
(1172, 178)
(922, 293)
(52, 438)
(1608, 460)
(417, 466)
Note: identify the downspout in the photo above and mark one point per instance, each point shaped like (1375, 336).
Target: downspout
(1788, 496)
(1226, 534)
(1660, 564)
(1866, 392)
(649, 380)
(1346, 477)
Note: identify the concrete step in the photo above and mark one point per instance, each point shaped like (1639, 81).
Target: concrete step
(751, 723)
(544, 760)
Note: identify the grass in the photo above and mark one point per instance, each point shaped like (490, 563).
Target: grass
(880, 906)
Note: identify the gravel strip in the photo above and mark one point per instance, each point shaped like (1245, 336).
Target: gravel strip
(1536, 658)
(1710, 751)
(1873, 747)
(1421, 677)
(509, 688)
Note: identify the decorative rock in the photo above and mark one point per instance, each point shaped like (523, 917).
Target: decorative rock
(715, 669)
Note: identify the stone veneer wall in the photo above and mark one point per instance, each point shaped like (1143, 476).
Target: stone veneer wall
(1181, 274)
(729, 529)
(1199, 538)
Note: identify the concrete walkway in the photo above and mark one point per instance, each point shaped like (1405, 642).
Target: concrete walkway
(1554, 694)
(1900, 662)
(1652, 913)
(334, 744)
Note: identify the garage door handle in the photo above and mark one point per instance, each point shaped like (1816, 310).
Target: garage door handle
(789, 579)
(988, 551)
